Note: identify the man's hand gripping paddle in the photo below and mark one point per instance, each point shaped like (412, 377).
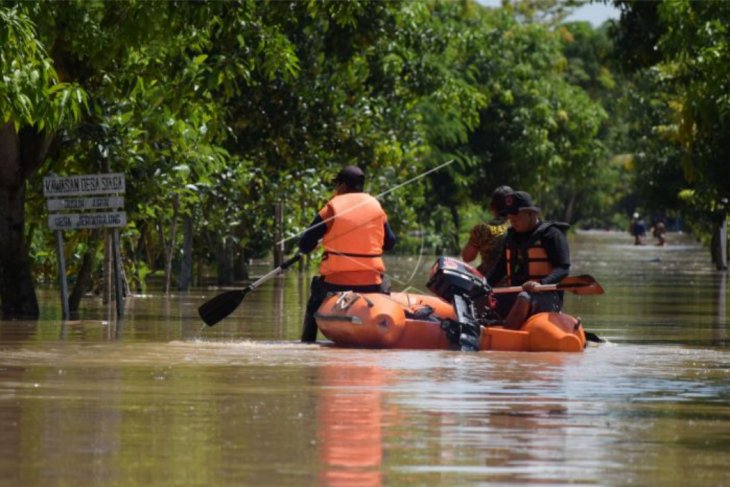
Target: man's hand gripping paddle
(583, 285)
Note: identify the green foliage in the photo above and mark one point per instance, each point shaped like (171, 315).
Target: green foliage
(696, 50)
(680, 54)
(30, 92)
(219, 110)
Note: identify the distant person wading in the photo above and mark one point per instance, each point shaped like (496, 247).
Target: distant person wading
(658, 229)
(637, 228)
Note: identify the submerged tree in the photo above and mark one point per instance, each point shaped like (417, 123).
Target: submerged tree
(34, 105)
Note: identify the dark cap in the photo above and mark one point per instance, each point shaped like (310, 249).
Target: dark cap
(518, 201)
(352, 176)
(498, 195)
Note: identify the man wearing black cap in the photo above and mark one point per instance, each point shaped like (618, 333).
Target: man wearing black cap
(486, 238)
(535, 252)
(354, 231)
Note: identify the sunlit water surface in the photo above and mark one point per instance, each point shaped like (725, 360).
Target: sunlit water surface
(159, 399)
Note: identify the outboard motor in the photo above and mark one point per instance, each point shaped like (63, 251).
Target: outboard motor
(470, 295)
(449, 277)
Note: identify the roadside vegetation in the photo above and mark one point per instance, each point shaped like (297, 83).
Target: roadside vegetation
(216, 111)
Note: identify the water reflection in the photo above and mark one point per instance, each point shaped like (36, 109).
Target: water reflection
(501, 418)
(720, 335)
(108, 330)
(278, 304)
(350, 417)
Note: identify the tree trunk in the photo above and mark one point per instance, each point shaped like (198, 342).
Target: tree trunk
(240, 265)
(570, 207)
(84, 276)
(169, 246)
(106, 287)
(139, 252)
(20, 155)
(17, 291)
(454, 244)
(278, 233)
(186, 266)
(225, 264)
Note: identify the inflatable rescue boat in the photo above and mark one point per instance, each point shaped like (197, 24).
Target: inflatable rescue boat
(417, 321)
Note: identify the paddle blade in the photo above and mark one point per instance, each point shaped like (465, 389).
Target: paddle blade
(211, 312)
(580, 285)
(592, 337)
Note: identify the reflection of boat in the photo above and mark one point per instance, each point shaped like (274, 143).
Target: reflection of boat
(417, 321)
(349, 416)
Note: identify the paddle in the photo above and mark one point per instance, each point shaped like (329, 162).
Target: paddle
(222, 305)
(592, 337)
(575, 284)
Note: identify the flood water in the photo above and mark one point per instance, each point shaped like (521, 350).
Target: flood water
(159, 399)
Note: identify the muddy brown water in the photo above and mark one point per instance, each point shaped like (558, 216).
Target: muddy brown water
(159, 399)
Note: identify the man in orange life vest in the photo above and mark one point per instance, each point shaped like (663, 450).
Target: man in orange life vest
(535, 252)
(354, 231)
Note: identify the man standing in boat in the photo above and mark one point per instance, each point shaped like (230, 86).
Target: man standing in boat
(354, 231)
(535, 252)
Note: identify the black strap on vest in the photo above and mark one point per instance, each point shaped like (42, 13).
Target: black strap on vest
(542, 228)
(538, 233)
(347, 254)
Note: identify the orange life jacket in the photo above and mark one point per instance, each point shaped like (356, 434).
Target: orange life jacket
(529, 261)
(354, 241)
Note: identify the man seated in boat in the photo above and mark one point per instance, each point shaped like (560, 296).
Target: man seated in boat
(354, 231)
(535, 252)
(486, 238)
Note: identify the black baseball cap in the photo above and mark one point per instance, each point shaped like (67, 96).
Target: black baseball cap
(352, 176)
(518, 201)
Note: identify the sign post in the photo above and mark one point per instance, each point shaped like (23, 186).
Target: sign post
(62, 275)
(82, 202)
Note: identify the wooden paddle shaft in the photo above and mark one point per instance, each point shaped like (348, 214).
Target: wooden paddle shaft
(517, 289)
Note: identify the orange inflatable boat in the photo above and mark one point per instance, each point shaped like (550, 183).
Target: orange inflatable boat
(397, 321)
(417, 321)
